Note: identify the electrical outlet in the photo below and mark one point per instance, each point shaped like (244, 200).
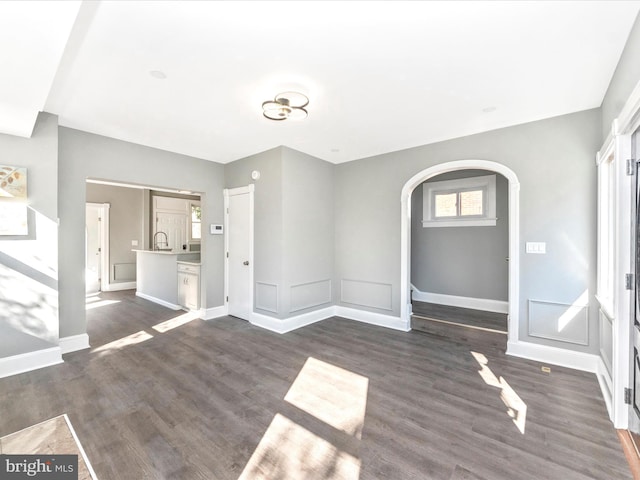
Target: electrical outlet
(134, 243)
(545, 369)
(536, 247)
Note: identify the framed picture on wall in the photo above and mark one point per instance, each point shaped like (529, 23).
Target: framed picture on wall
(13, 201)
(13, 182)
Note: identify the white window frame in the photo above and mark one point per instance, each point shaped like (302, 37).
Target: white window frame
(194, 203)
(486, 183)
(606, 240)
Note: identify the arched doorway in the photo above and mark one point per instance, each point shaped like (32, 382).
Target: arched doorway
(514, 229)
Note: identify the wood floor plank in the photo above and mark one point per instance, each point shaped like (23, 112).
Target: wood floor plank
(197, 400)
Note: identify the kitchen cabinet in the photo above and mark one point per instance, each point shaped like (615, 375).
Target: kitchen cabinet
(189, 285)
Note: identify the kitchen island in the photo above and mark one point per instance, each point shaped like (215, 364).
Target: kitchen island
(157, 277)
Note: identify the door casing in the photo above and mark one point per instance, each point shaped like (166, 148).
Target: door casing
(102, 210)
(248, 190)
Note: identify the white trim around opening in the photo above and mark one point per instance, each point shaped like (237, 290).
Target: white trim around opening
(514, 235)
(249, 189)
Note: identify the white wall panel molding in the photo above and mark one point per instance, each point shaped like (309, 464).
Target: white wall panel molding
(366, 294)
(267, 297)
(309, 295)
(561, 322)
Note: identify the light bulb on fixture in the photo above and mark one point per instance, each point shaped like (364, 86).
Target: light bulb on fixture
(286, 106)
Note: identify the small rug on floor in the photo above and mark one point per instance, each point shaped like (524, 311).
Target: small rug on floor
(51, 437)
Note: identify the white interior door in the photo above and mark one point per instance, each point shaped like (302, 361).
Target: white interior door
(175, 226)
(239, 255)
(93, 249)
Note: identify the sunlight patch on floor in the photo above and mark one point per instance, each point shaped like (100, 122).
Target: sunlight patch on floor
(176, 322)
(127, 341)
(288, 450)
(91, 304)
(332, 394)
(516, 408)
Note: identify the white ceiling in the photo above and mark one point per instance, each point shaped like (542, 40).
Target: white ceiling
(380, 76)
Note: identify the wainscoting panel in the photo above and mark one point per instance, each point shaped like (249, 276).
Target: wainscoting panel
(559, 321)
(606, 340)
(366, 294)
(124, 272)
(308, 295)
(267, 297)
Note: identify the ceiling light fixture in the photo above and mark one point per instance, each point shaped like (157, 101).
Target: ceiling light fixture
(286, 106)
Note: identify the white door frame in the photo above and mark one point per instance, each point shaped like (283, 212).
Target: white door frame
(228, 192)
(514, 236)
(105, 274)
(619, 142)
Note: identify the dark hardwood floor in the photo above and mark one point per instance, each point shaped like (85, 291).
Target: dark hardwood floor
(338, 399)
(462, 316)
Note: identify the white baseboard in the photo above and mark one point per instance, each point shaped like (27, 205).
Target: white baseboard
(26, 362)
(485, 304)
(587, 362)
(164, 303)
(74, 343)
(213, 312)
(388, 321)
(116, 287)
(606, 386)
(292, 323)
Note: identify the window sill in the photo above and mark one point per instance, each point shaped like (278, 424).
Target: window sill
(476, 222)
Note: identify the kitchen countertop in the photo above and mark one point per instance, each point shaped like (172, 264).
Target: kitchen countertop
(158, 252)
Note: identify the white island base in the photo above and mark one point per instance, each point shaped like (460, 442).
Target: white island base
(157, 278)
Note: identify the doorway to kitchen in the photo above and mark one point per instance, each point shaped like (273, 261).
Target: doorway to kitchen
(96, 247)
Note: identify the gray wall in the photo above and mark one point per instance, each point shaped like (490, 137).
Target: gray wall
(307, 197)
(624, 80)
(29, 264)
(462, 261)
(293, 229)
(554, 162)
(268, 254)
(125, 221)
(83, 155)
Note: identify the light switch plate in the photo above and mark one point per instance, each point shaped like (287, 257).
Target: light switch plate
(536, 247)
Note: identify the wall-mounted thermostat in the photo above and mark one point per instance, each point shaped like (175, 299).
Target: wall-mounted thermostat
(215, 229)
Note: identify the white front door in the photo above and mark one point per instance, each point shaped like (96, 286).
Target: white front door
(239, 233)
(93, 249)
(634, 321)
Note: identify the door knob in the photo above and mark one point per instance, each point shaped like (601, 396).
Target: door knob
(246, 262)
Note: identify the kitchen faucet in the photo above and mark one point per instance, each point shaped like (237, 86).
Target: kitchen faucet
(156, 243)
